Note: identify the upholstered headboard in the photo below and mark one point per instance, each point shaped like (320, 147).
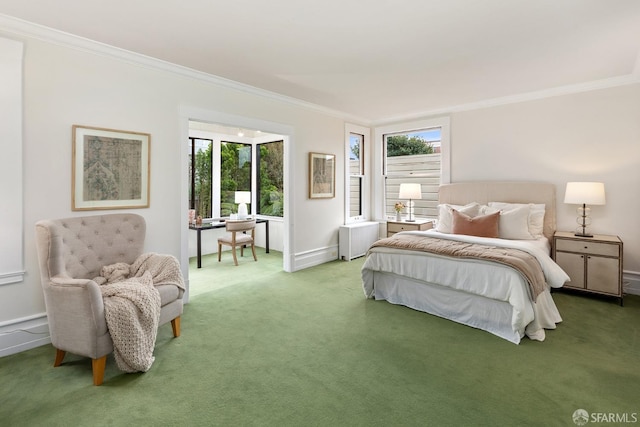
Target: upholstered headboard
(483, 192)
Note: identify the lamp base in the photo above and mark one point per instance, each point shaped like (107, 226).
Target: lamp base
(584, 221)
(410, 220)
(242, 211)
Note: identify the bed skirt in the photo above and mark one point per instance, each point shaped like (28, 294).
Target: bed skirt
(469, 309)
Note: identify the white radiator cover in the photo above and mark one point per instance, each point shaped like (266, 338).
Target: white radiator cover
(355, 239)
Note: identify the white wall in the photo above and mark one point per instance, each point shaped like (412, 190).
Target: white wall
(590, 136)
(11, 214)
(64, 85)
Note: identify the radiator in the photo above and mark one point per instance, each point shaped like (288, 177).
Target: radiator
(355, 239)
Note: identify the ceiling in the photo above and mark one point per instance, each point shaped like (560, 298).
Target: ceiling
(377, 61)
(249, 134)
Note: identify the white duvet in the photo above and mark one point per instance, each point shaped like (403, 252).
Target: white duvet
(488, 279)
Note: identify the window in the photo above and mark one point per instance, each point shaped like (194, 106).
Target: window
(356, 174)
(413, 157)
(200, 176)
(222, 162)
(235, 174)
(270, 193)
(357, 197)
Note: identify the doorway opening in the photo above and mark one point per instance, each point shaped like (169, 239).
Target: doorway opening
(236, 157)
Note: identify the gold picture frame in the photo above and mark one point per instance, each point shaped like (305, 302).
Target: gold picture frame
(322, 176)
(110, 169)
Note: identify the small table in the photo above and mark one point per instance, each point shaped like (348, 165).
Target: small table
(394, 227)
(220, 223)
(594, 264)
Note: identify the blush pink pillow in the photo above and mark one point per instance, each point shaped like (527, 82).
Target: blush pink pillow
(480, 226)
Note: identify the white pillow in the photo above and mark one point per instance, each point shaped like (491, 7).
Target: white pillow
(535, 218)
(445, 219)
(514, 224)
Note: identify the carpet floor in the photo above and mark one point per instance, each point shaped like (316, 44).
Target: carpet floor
(260, 347)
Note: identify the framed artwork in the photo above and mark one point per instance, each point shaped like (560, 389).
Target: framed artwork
(322, 175)
(110, 169)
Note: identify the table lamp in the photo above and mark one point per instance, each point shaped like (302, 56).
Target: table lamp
(410, 191)
(242, 198)
(583, 194)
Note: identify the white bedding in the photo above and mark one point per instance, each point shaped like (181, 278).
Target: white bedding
(489, 280)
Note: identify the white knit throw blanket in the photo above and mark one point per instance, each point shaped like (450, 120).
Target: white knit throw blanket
(132, 306)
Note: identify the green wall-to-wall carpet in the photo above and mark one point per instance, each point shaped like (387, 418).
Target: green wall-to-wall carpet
(260, 347)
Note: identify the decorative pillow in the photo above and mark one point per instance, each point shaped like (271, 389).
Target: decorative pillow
(514, 224)
(486, 210)
(480, 226)
(536, 215)
(444, 214)
(536, 219)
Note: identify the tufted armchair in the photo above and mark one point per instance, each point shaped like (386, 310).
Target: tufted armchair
(71, 253)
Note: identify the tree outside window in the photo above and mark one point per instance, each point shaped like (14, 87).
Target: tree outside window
(235, 174)
(200, 176)
(407, 145)
(271, 179)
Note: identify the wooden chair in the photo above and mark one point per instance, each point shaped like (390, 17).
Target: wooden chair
(238, 237)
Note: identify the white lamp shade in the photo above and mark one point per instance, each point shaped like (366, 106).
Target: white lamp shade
(410, 191)
(243, 196)
(587, 193)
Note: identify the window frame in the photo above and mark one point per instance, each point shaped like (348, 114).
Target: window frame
(423, 168)
(251, 147)
(217, 140)
(379, 186)
(192, 174)
(257, 169)
(365, 168)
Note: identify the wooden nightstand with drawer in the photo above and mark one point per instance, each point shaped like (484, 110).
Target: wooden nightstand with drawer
(594, 264)
(394, 227)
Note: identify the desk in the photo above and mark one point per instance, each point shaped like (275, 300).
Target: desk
(221, 224)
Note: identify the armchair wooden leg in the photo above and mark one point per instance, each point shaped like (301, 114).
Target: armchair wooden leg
(59, 356)
(98, 369)
(175, 325)
(253, 249)
(219, 251)
(235, 258)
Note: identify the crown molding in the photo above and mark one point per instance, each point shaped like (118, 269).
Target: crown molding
(21, 28)
(523, 97)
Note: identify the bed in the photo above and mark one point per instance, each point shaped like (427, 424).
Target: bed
(496, 295)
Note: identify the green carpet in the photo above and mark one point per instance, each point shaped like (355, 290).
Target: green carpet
(307, 349)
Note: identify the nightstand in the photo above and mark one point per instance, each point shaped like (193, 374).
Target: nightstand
(394, 227)
(594, 264)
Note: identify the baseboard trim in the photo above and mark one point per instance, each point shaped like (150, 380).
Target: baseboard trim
(631, 282)
(315, 257)
(23, 334)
